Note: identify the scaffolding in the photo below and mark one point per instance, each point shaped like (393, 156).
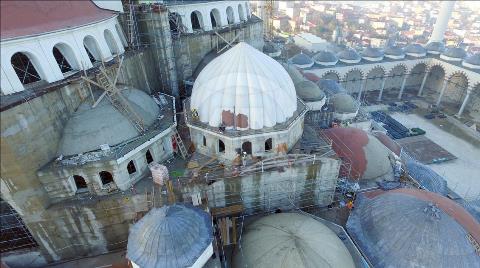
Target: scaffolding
(13, 232)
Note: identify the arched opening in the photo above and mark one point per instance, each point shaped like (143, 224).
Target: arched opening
(148, 157)
(111, 43)
(241, 14)
(247, 147)
(204, 141)
(247, 10)
(415, 78)
(331, 76)
(268, 144)
(394, 81)
(353, 81)
(59, 53)
(24, 68)
(472, 107)
(221, 146)
(121, 35)
(175, 21)
(455, 91)
(215, 18)
(80, 183)
(93, 51)
(434, 83)
(131, 167)
(196, 20)
(230, 16)
(374, 81)
(106, 177)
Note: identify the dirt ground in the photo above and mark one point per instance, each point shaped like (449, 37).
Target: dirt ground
(463, 173)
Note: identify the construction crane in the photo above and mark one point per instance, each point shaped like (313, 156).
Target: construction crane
(108, 84)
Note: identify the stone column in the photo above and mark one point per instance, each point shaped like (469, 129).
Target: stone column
(423, 83)
(403, 86)
(361, 89)
(445, 83)
(464, 103)
(381, 89)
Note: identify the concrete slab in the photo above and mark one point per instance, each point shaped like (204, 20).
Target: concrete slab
(425, 150)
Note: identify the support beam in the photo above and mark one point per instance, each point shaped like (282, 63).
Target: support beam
(442, 92)
(361, 89)
(423, 83)
(403, 86)
(464, 103)
(381, 89)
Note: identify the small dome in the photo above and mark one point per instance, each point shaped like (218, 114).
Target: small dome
(394, 52)
(435, 47)
(291, 240)
(372, 54)
(368, 157)
(271, 50)
(170, 236)
(453, 54)
(413, 228)
(472, 61)
(88, 127)
(293, 72)
(388, 142)
(326, 58)
(301, 61)
(309, 91)
(415, 50)
(344, 103)
(248, 83)
(331, 87)
(427, 178)
(349, 56)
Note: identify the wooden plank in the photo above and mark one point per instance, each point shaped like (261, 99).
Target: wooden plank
(234, 231)
(227, 210)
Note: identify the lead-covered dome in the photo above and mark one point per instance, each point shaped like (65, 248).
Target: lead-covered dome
(453, 54)
(415, 50)
(291, 240)
(472, 61)
(435, 47)
(349, 56)
(246, 85)
(302, 61)
(372, 54)
(394, 52)
(325, 58)
(88, 127)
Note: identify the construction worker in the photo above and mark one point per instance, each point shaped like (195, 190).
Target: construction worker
(194, 114)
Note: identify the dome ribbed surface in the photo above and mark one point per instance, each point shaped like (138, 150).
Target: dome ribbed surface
(291, 240)
(170, 236)
(455, 52)
(245, 82)
(413, 228)
(325, 57)
(88, 127)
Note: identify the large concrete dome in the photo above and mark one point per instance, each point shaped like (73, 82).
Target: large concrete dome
(245, 84)
(291, 240)
(369, 159)
(414, 228)
(88, 127)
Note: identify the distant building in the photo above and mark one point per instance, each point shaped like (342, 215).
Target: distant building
(310, 42)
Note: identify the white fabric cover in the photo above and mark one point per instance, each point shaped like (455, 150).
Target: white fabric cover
(244, 81)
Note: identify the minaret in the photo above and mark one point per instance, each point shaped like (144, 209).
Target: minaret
(442, 21)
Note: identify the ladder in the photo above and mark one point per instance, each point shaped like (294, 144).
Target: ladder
(181, 146)
(132, 31)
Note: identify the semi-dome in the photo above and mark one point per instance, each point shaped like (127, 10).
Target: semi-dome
(388, 142)
(415, 50)
(394, 52)
(246, 85)
(88, 127)
(349, 56)
(331, 87)
(369, 159)
(171, 236)
(426, 177)
(271, 50)
(301, 60)
(453, 54)
(435, 47)
(325, 58)
(372, 54)
(413, 228)
(290, 240)
(472, 61)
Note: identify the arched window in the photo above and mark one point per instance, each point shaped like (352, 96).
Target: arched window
(221, 146)
(215, 18)
(204, 141)
(241, 15)
(106, 177)
(131, 167)
(247, 147)
(92, 49)
(268, 144)
(65, 58)
(230, 15)
(111, 43)
(23, 66)
(80, 183)
(121, 35)
(175, 21)
(149, 157)
(196, 20)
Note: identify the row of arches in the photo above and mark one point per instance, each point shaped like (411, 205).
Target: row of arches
(26, 64)
(245, 148)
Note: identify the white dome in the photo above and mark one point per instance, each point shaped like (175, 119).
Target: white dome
(248, 83)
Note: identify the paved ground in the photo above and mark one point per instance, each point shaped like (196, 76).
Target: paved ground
(463, 173)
